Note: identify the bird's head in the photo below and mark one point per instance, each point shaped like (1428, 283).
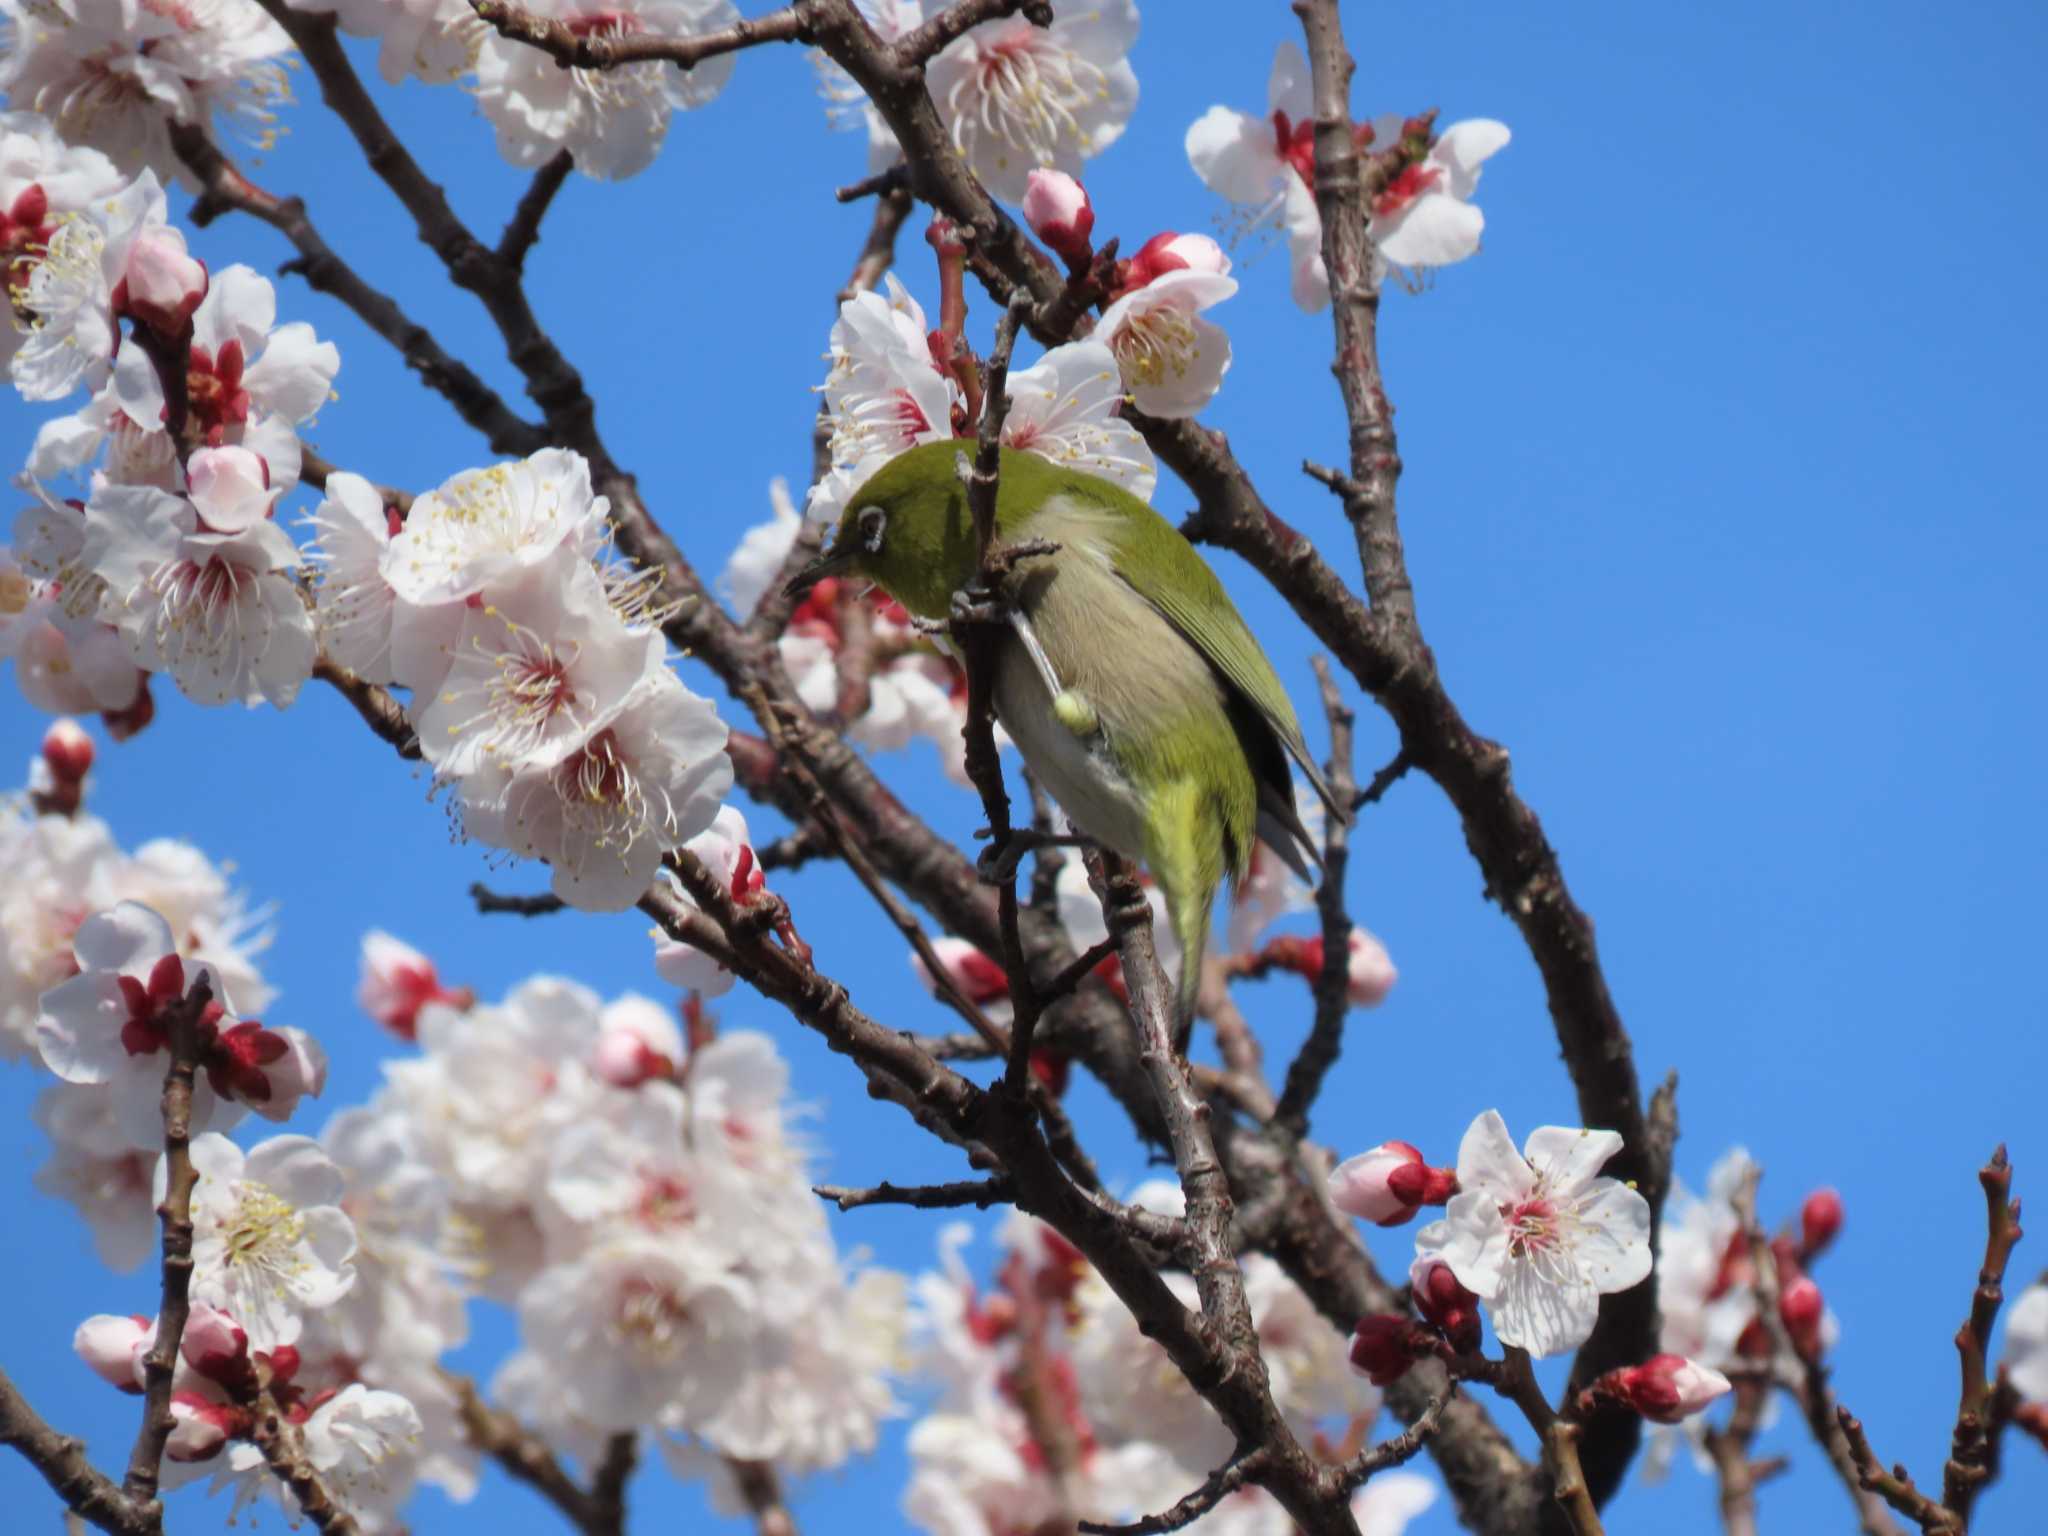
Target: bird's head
(908, 530)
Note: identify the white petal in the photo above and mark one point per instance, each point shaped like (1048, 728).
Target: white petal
(1614, 1250)
(1569, 1158)
(1463, 146)
(1289, 88)
(129, 938)
(1435, 231)
(1541, 1316)
(1233, 154)
(1488, 1163)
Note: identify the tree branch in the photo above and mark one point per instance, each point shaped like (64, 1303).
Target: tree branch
(761, 1490)
(1971, 1446)
(223, 188)
(145, 1462)
(284, 1451)
(63, 1464)
(1318, 1053)
(979, 1193)
(573, 50)
(523, 229)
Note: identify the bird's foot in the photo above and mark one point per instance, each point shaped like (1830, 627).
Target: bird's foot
(976, 604)
(997, 864)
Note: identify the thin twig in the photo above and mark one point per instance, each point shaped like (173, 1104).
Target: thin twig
(540, 904)
(979, 1193)
(1895, 1487)
(1402, 1448)
(1319, 1052)
(761, 1490)
(521, 1452)
(174, 1213)
(284, 1451)
(62, 1462)
(602, 50)
(1219, 1485)
(1972, 1449)
(523, 229)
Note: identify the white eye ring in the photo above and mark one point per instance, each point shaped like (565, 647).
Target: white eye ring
(872, 522)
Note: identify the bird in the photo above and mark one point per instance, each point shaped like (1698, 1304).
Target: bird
(1135, 691)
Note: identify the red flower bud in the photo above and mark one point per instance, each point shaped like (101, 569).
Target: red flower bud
(1384, 1346)
(68, 751)
(1801, 1306)
(1666, 1388)
(1820, 1218)
(1057, 208)
(1442, 1300)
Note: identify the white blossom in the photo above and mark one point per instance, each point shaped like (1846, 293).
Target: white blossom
(613, 121)
(1015, 96)
(1537, 1235)
(270, 1241)
(115, 75)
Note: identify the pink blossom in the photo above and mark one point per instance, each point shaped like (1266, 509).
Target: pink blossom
(112, 1348)
(231, 488)
(1056, 207)
(1668, 1388)
(163, 283)
(397, 981)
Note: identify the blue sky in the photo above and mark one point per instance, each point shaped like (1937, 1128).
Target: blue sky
(1722, 506)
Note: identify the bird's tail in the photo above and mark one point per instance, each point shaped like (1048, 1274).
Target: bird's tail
(1189, 913)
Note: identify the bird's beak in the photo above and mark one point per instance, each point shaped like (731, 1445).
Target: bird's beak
(831, 563)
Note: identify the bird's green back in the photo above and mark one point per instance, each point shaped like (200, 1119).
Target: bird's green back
(929, 554)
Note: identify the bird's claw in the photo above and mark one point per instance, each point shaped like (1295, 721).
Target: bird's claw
(997, 863)
(976, 604)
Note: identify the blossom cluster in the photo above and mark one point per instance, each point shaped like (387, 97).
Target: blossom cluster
(96, 942)
(638, 1199)
(1054, 1406)
(537, 672)
(1013, 96)
(642, 1202)
(173, 561)
(1423, 216)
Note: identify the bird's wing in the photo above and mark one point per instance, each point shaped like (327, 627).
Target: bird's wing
(1163, 568)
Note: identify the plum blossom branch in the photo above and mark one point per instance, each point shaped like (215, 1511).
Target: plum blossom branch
(1809, 1383)
(608, 1485)
(521, 1452)
(1404, 1446)
(956, 20)
(979, 1193)
(1219, 1485)
(174, 1212)
(540, 904)
(86, 1492)
(1895, 1487)
(573, 50)
(284, 1452)
(1973, 1448)
(761, 1491)
(224, 188)
(1318, 1053)
(523, 228)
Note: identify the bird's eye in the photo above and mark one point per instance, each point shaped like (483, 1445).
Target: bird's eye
(872, 523)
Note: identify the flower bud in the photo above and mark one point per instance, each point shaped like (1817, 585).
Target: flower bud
(1443, 1301)
(980, 979)
(200, 1426)
(398, 981)
(1372, 973)
(1362, 1185)
(162, 284)
(1801, 1306)
(1170, 252)
(269, 1070)
(636, 1043)
(230, 487)
(1667, 1388)
(214, 1345)
(68, 751)
(1057, 208)
(1820, 1218)
(112, 1348)
(1384, 1346)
